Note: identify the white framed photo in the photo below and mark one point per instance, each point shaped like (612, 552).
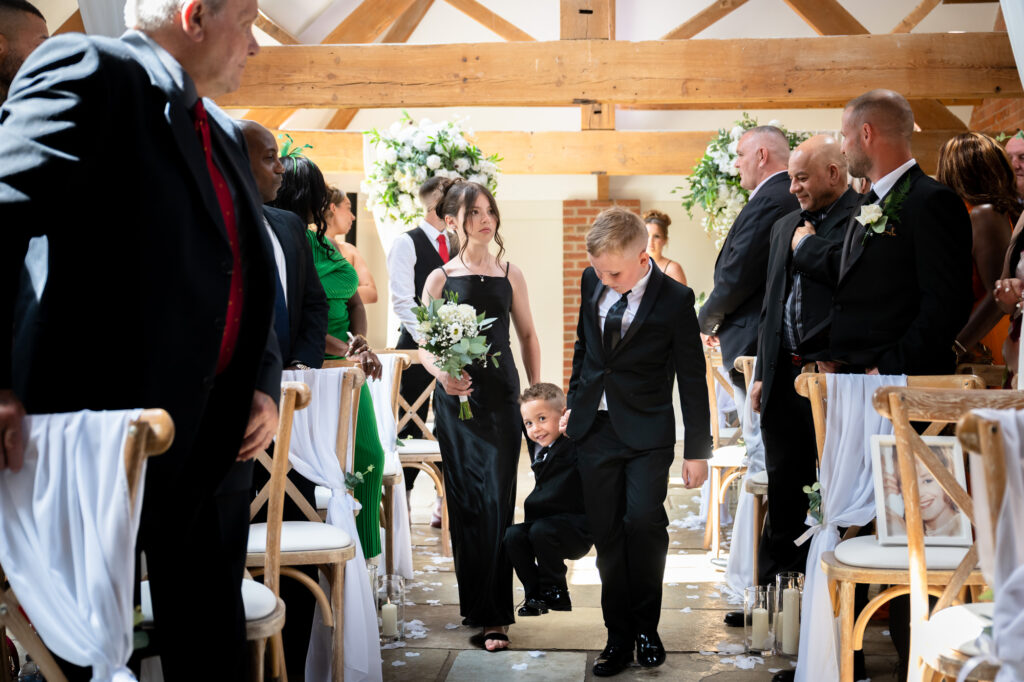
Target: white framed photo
(944, 522)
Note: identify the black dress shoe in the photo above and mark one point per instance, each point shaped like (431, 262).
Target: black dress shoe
(613, 660)
(734, 619)
(649, 651)
(557, 599)
(784, 676)
(533, 607)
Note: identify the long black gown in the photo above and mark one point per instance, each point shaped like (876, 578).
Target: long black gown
(481, 456)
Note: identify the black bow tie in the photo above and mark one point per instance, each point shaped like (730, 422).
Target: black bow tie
(815, 218)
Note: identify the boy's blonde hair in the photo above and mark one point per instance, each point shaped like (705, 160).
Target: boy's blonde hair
(547, 392)
(617, 229)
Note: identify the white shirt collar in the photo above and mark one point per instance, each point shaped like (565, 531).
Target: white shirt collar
(431, 231)
(761, 184)
(886, 183)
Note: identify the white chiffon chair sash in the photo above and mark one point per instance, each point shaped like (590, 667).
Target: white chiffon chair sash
(848, 499)
(68, 536)
(381, 392)
(313, 455)
(1003, 565)
(739, 571)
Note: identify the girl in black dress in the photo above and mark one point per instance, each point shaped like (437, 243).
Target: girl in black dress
(481, 455)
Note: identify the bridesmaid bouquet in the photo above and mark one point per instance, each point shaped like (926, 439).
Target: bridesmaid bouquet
(452, 334)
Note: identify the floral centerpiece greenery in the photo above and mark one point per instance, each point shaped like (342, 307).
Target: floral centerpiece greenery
(714, 184)
(409, 152)
(454, 336)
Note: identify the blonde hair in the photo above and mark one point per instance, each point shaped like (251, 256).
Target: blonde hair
(549, 393)
(616, 229)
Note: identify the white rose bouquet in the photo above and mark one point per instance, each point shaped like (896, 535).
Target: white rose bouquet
(409, 152)
(452, 334)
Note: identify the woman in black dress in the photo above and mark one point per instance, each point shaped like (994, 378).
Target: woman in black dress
(481, 455)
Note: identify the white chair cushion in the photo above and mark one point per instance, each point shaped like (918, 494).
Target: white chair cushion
(955, 629)
(419, 446)
(866, 552)
(728, 456)
(258, 599)
(299, 536)
(760, 478)
(322, 495)
(391, 464)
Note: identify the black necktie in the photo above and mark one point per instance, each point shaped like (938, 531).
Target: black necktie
(870, 198)
(542, 454)
(613, 323)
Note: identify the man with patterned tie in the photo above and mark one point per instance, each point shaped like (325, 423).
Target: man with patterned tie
(413, 256)
(165, 294)
(795, 330)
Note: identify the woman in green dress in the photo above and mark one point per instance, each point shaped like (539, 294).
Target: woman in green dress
(304, 192)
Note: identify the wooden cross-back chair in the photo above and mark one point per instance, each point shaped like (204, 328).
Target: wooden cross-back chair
(151, 434)
(726, 463)
(757, 484)
(391, 479)
(934, 646)
(311, 542)
(843, 577)
(994, 376)
(423, 453)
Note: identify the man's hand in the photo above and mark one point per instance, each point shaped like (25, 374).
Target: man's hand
(709, 341)
(805, 230)
(695, 472)
(262, 426)
(563, 423)
(755, 396)
(828, 366)
(12, 443)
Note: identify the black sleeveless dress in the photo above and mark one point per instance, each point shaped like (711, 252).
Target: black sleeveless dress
(481, 456)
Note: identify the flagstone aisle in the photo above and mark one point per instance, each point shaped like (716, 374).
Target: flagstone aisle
(562, 646)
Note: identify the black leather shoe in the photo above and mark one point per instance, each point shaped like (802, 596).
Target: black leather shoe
(649, 651)
(784, 676)
(533, 607)
(734, 619)
(613, 660)
(557, 599)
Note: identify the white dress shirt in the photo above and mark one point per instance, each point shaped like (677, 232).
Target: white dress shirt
(609, 298)
(402, 276)
(886, 183)
(282, 268)
(761, 184)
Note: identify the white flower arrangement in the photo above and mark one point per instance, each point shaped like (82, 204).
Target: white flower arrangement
(714, 184)
(408, 153)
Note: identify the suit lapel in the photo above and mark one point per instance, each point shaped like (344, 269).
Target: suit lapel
(594, 317)
(646, 304)
(840, 213)
(854, 241)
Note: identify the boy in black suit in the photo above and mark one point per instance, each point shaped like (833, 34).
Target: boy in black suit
(555, 528)
(636, 327)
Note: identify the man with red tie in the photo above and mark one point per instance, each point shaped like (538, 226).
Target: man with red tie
(161, 294)
(413, 256)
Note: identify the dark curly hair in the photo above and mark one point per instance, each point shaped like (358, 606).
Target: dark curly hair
(459, 194)
(304, 192)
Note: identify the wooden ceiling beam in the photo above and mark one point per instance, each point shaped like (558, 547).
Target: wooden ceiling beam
(367, 21)
(489, 20)
(269, 118)
(565, 73)
(275, 30)
(703, 19)
(931, 114)
(408, 21)
(916, 16)
(614, 152)
(827, 17)
(586, 19)
(72, 24)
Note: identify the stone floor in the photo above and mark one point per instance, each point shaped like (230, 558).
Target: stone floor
(563, 646)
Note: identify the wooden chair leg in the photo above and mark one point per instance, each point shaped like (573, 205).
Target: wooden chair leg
(389, 528)
(257, 652)
(278, 670)
(338, 609)
(758, 522)
(846, 609)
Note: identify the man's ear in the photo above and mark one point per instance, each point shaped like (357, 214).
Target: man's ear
(193, 18)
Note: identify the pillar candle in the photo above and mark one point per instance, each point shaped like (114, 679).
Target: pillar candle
(759, 638)
(389, 618)
(791, 624)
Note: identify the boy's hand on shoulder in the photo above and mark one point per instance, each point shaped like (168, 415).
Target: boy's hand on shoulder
(695, 472)
(563, 422)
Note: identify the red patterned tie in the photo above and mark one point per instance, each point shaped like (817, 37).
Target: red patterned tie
(233, 317)
(442, 248)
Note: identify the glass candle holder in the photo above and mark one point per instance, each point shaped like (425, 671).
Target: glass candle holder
(757, 611)
(371, 573)
(391, 605)
(789, 589)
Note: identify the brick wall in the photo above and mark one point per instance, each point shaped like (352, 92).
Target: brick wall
(998, 116)
(577, 217)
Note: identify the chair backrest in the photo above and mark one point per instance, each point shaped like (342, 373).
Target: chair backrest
(712, 361)
(813, 386)
(983, 440)
(403, 362)
(294, 396)
(352, 381)
(150, 434)
(406, 412)
(904, 406)
(745, 365)
(994, 376)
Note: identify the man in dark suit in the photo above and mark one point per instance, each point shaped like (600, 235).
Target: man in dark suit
(794, 330)
(903, 284)
(160, 295)
(22, 29)
(300, 315)
(636, 326)
(731, 313)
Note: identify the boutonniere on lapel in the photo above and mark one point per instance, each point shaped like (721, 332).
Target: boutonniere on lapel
(881, 219)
